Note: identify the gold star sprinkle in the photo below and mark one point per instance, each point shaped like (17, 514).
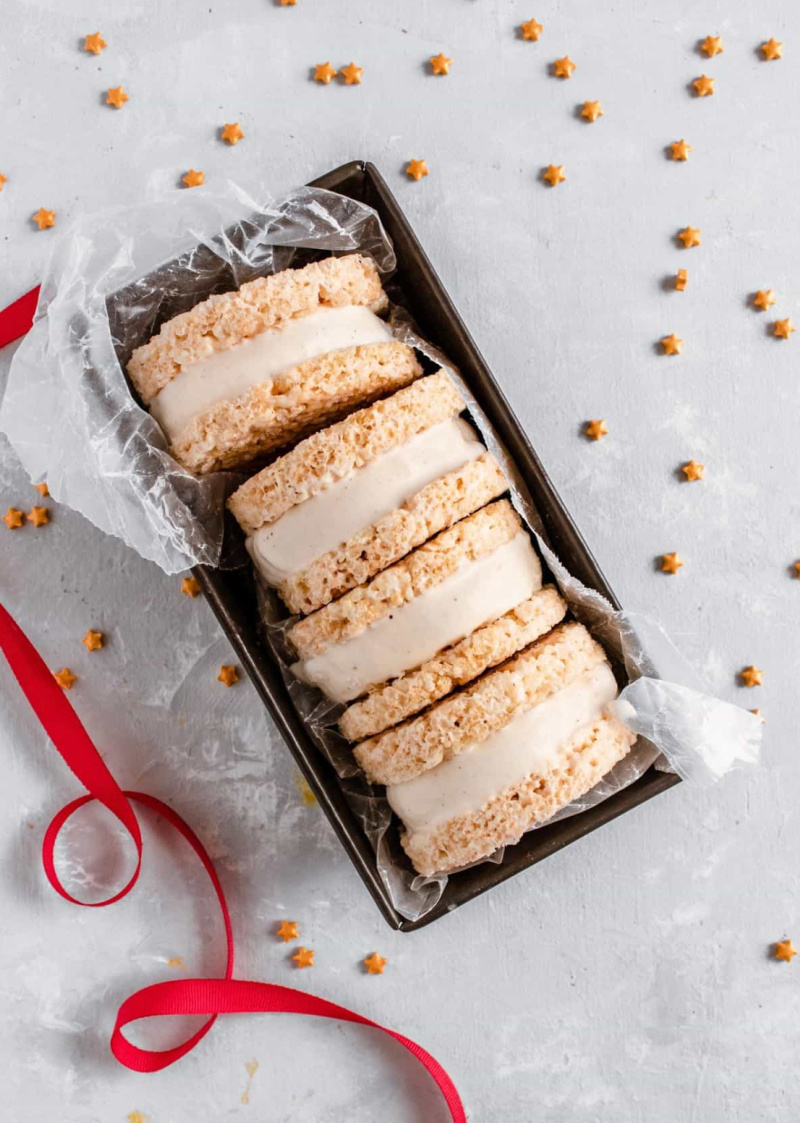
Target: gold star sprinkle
(228, 675)
(44, 219)
(596, 429)
(191, 586)
(671, 563)
(751, 676)
(95, 43)
(771, 50)
(785, 950)
(13, 518)
(117, 97)
(531, 30)
(712, 45)
(681, 279)
(352, 74)
(690, 236)
(65, 678)
(679, 150)
(194, 179)
(563, 67)
(304, 957)
(287, 930)
(704, 86)
(375, 964)
(324, 72)
(440, 64)
(232, 133)
(672, 344)
(591, 110)
(93, 641)
(43, 490)
(554, 174)
(416, 170)
(764, 299)
(39, 516)
(3, 180)
(693, 471)
(782, 329)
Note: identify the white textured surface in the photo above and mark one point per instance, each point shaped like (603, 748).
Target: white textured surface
(627, 977)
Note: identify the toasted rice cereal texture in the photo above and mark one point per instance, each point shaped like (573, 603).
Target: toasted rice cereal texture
(335, 453)
(429, 565)
(580, 765)
(435, 507)
(472, 715)
(455, 666)
(266, 304)
(276, 412)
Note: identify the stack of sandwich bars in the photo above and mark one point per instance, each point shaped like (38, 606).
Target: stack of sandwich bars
(419, 592)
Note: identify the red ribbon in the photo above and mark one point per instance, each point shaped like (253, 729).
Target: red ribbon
(17, 319)
(208, 997)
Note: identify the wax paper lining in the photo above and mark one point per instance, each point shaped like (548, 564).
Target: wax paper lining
(72, 418)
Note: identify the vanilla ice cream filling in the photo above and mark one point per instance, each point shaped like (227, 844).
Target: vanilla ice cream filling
(223, 375)
(479, 591)
(528, 746)
(334, 515)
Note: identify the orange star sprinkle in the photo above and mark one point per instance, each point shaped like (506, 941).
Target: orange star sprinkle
(232, 133)
(194, 179)
(531, 30)
(690, 236)
(375, 964)
(352, 74)
(43, 490)
(785, 950)
(65, 678)
(782, 329)
(764, 299)
(681, 279)
(596, 429)
(563, 67)
(712, 45)
(757, 713)
(704, 86)
(693, 471)
(416, 169)
(679, 150)
(324, 72)
(39, 516)
(191, 586)
(93, 641)
(288, 3)
(117, 97)
(671, 563)
(228, 675)
(797, 568)
(672, 344)
(751, 676)
(44, 219)
(13, 518)
(95, 43)
(287, 930)
(304, 957)
(591, 110)
(3, 180)
(771, 50)
(440, 64)
(554, 174)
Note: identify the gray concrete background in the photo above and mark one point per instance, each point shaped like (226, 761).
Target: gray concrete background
(628, 977)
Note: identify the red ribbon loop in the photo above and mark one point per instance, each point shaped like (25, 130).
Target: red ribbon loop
(208, 997)
(17, 319)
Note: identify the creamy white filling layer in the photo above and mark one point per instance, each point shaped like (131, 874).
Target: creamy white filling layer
(525, 747)
(479, 591)
(223, 375)
(334, 515)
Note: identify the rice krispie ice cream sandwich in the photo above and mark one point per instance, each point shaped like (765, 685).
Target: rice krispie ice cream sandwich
(246, 372)
(471, 573)
(352, 499)
(480, 768)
